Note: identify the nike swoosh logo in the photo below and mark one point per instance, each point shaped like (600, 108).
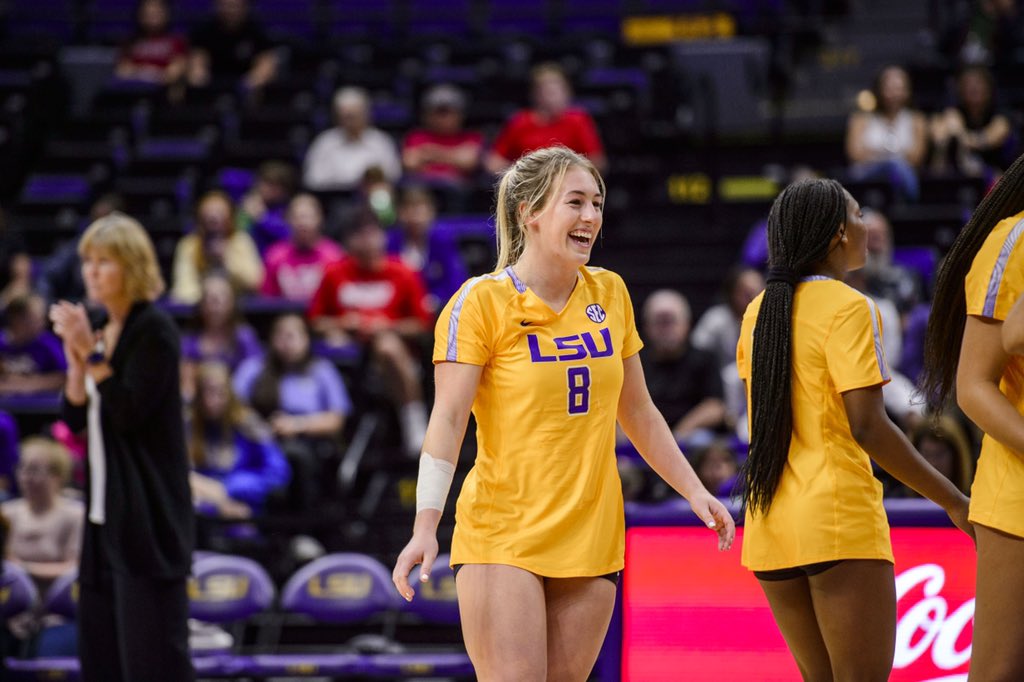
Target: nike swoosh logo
(525, 323)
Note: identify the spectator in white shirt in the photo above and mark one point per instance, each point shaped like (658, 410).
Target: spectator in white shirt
(339, 157)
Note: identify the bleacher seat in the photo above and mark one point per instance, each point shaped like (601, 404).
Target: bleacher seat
(227, 589)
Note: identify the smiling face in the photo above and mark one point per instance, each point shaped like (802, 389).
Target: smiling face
(565, 230)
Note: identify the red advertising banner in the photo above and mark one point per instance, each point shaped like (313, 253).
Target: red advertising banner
(691, 612)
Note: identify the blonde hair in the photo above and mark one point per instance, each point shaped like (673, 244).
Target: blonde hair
(235, 415)
(525, 189)
(126, 240)
(58, 459)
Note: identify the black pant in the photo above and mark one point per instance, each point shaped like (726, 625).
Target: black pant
(134, 629)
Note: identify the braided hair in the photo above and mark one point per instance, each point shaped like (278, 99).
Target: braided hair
(945, 332)
(803, 220)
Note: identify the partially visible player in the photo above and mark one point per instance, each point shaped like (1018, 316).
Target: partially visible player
(969, 346)
(811, 354)
(544, 353)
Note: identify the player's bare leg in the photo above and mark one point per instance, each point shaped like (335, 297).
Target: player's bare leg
(578, 613)
(997, 652)
(791, 605)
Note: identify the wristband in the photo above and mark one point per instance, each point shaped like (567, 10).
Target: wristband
(98, 355)
(433, 482)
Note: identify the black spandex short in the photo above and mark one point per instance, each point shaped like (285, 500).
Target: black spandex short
(612, 577)
(805, 571)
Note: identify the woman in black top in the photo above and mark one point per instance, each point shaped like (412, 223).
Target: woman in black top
(122, 385)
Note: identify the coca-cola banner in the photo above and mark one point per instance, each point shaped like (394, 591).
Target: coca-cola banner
(693, 613)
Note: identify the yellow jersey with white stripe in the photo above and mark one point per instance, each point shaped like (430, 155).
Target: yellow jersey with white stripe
(994, 283)
(828, 505)
(544, 493)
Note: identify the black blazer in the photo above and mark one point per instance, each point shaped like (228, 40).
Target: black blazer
(149, 528)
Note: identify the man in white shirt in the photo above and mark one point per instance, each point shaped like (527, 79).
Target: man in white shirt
(339, 157)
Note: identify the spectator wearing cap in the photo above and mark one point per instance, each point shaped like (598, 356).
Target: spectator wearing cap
(339, 158)
(442, 151)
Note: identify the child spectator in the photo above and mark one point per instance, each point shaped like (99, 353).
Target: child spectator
(303, 398)
(44, 537)
(295, 267)
(262, 210)
(31, 357)
(220, 334)
(432, 253)
(236, 463)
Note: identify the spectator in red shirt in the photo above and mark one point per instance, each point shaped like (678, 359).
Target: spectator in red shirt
(373, 299)
(296, 266)
(551, 121)
(441, 151)
(154, 53)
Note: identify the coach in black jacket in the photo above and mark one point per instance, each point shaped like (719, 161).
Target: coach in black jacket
(122, 386)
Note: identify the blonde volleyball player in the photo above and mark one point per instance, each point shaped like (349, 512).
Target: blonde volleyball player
(811, 354)
(974, 342)
(544, 353)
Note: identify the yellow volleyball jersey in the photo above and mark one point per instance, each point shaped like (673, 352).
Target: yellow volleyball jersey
(544, 492)
(994, 283)
(828, 505)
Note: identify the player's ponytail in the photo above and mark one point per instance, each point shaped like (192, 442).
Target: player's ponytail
(945, 332)
(802, 223)
(524, 190)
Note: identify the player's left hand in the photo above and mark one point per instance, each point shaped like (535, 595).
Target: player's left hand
(715, 516)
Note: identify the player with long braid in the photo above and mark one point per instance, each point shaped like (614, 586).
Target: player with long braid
(811, 355)
(974, 342)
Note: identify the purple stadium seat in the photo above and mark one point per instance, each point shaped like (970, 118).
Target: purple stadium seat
(340, 588)
(62, 597)
(17, 591)
(435, 602)
(337, 588)
(226, 588)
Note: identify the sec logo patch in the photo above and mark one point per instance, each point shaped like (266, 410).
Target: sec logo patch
(596, 313)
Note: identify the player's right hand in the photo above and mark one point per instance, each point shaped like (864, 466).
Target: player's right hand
(958, 515)
(422, 549)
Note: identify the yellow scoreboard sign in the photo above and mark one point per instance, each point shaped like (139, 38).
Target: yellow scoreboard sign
(659, 29)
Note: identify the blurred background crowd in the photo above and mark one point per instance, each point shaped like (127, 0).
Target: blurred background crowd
(317, 176)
